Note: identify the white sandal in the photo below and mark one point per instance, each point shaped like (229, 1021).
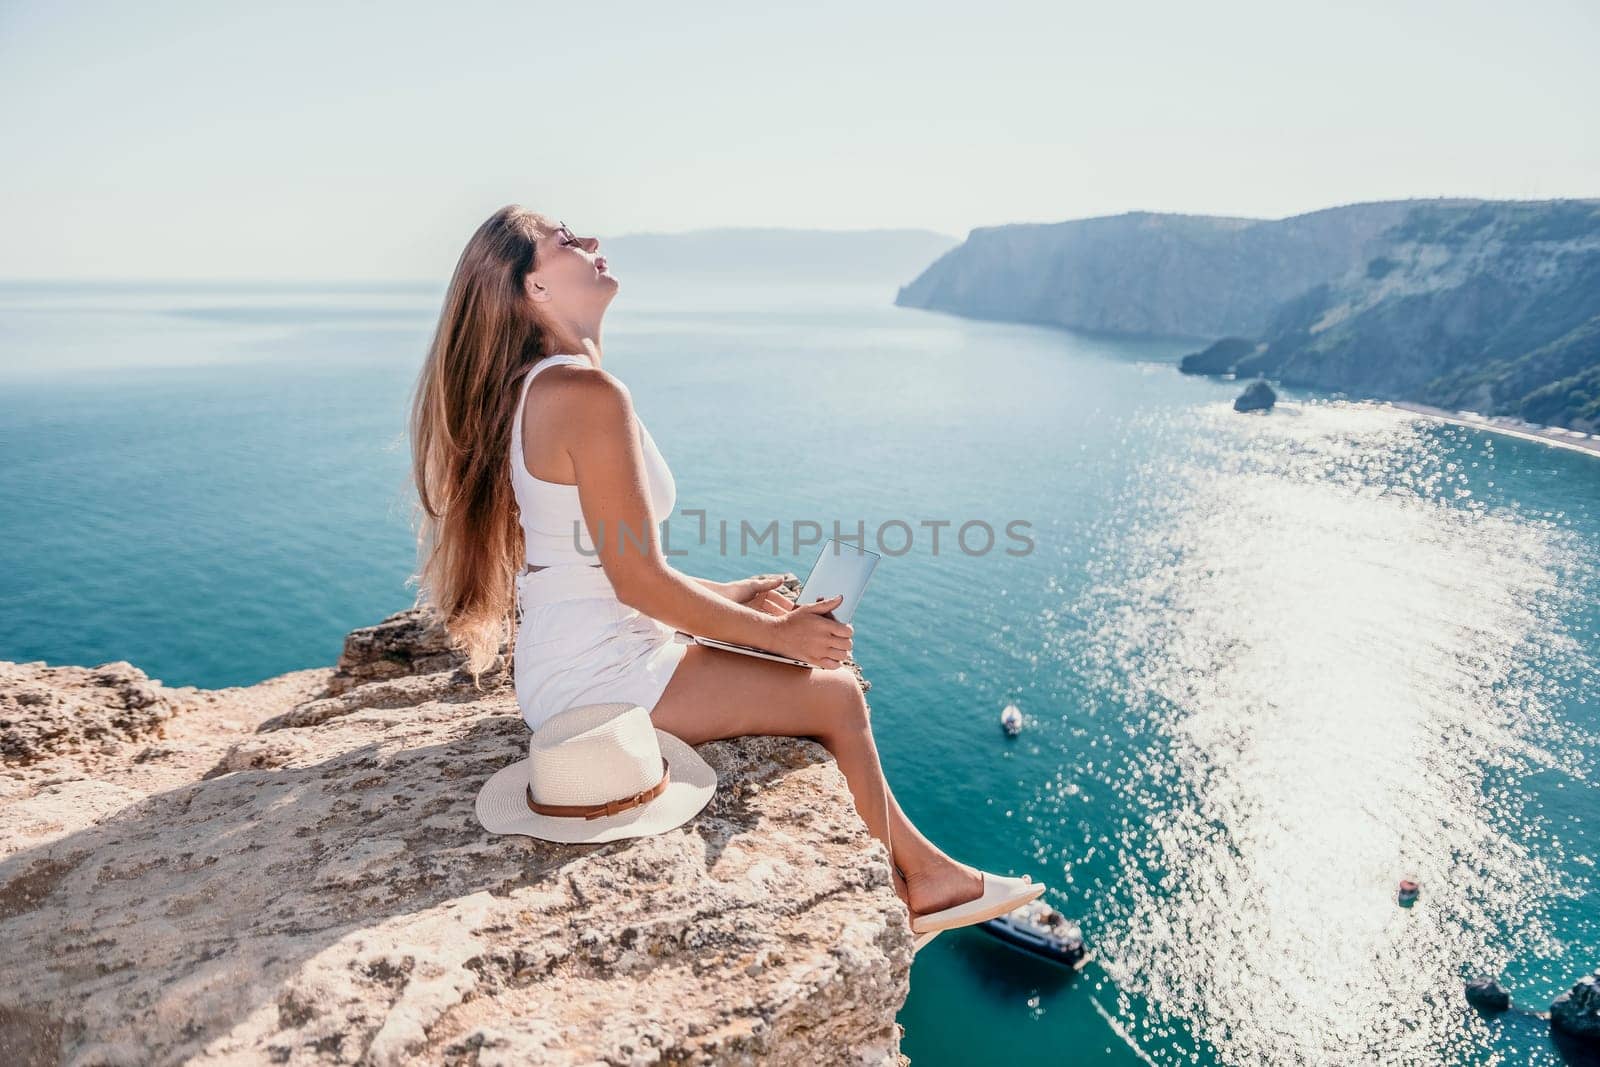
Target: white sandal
(1001, 893)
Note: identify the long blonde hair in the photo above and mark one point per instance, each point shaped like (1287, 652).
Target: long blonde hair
(469, 542)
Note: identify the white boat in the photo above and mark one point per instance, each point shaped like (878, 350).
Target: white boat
(1040, 930)
(1011, 720)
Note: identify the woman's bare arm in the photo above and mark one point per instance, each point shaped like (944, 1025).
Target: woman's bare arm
(714, 586)
(599, 427)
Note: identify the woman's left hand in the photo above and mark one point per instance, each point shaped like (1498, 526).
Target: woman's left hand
(761, 593)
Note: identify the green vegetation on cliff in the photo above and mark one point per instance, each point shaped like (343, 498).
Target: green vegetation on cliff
(1493, 307)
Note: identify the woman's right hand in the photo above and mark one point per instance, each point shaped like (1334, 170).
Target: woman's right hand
(808, 633)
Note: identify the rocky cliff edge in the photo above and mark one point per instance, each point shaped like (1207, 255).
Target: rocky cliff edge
(291, 873)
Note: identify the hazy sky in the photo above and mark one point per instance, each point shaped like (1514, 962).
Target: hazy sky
(329, 140)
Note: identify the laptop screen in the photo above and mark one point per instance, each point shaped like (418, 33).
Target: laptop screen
(840, 568)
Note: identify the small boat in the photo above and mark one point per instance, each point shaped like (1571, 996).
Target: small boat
(1040, 930)
(1011, 720)
(1409, 890)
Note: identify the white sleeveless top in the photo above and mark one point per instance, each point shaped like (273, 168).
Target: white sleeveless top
(553, 530)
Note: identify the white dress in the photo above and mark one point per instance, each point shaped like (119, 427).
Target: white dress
(576, 642)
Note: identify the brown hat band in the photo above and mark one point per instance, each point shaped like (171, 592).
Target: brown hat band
(610, 807)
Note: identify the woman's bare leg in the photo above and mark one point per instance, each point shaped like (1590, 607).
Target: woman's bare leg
(716, 694)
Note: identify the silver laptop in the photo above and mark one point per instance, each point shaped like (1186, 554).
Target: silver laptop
(840, 568)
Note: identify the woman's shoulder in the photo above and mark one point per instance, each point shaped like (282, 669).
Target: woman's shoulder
(583, 377)
(588, 396)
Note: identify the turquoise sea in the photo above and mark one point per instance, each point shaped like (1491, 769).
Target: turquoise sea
(1270, 665)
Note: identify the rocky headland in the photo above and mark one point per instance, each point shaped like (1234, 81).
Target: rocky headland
(291, 873)
(1488, 306)
(1149, 273)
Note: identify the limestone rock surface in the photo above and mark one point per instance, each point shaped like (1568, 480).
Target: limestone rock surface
(291, 873)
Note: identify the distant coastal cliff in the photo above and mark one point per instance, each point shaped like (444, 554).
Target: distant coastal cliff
(1487, 305)
(291, 872)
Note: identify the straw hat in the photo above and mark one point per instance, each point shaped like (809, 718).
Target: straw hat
(597, 772)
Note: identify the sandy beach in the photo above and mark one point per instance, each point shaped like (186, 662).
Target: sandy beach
(1550, 435)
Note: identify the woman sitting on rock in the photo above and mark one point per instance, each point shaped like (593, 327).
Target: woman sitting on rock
(540, 491)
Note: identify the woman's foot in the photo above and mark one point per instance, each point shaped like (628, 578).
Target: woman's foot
(942, 885)
(918, 941)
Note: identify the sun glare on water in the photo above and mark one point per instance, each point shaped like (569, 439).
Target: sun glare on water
(1331, 666)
